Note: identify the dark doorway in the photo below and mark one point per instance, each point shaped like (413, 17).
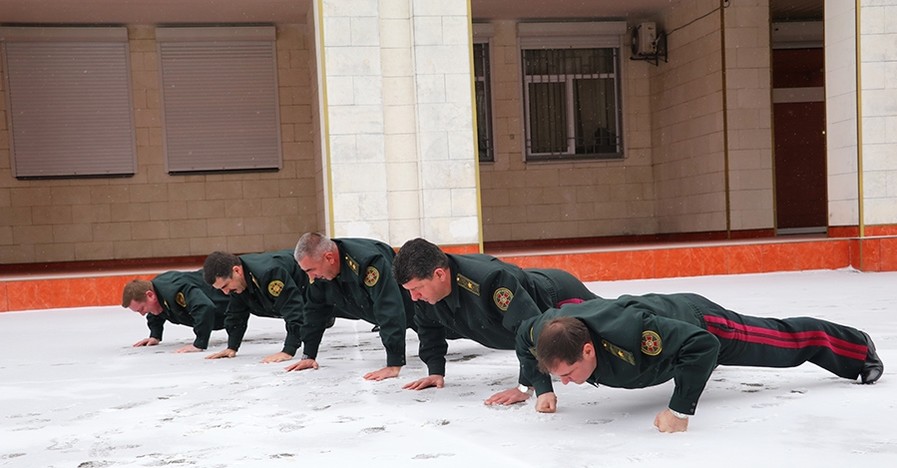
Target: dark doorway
(799, 135)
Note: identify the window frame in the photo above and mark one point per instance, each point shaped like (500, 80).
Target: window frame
(178, 141)
(567, 36)
(90, 75)
(482, 36)
(485, 125)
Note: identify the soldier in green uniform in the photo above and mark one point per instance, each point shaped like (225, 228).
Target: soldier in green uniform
(641, 341)
(352, 278)
(477, 297)
(266, 284)
(180, 297)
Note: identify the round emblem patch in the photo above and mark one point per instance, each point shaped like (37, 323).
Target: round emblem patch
(502, 298)
(275, 287)
(371, 277)
(651, 344)
(180, 299)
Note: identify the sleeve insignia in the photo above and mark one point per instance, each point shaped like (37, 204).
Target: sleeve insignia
(275, 287)
(180, 299)
(502, 298)
(618, 351)
(468, 284)
(651, 344)
(351, 263)
(371, 277)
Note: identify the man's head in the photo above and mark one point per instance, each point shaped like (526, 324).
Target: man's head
(224, 271)
(140, 296)
(565, 349)
(317, 255)
(423, 269)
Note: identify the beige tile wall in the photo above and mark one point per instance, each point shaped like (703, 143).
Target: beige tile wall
(841, 113)
(154, 214)
(687, 122)
(879, 102)
(749, 108)
(523, 201)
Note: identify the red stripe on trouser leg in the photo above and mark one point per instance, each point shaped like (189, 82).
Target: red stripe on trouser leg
(796, 340)
(572, 300)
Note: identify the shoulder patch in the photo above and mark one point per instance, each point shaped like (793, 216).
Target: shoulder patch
(468, 284)
(352, 263)
(371, 277)
(651, 344)
(618, 351)
(275, 287)
(502, 298)
(180, 299)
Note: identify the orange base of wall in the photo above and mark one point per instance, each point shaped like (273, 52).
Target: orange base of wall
(621, 262)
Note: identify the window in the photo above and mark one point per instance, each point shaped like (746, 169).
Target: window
(484, 101)
(69, 101)
(571, 103)
(219, 98)
(571, 90)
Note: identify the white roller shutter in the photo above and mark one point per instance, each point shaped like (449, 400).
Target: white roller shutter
(69, 101)
(219, 98)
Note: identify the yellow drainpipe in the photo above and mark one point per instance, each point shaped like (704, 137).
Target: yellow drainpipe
(722, 30)
(859, 97)
(476, 145)
(325, 124)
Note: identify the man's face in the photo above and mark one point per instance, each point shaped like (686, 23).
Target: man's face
(148, 306)
(579, 371)
(235, 283)
(326, 267)
(432, 289)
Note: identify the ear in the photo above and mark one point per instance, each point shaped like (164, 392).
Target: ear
(150, 294)
(440, 274)
(588, 350)
(329, 257)
(236, 270)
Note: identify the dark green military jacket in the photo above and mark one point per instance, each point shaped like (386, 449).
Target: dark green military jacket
(364, 289)
(640, 341)
(186, 299)
(275, 287)
(489, 300)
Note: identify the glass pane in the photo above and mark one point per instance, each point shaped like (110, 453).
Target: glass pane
(568, 61)
(483, 101)
(483, 135)
(547, 118)
(480, 52)
(595, 116)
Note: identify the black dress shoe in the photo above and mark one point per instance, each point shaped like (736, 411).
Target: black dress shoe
(872, 368)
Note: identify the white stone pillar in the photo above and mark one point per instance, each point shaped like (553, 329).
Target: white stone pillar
(397, 118)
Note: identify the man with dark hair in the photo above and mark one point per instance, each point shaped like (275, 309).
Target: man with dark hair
(180, 297)
(477, 297)
(352, 279)
(266, 284)
(642, 341)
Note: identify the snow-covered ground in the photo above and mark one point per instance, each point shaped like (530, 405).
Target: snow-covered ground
(74, 393)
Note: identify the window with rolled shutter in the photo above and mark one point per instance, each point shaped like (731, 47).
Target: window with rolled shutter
(68, 101)
(219, 98)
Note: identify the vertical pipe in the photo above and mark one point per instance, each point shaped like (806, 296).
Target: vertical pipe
(859, 96)
(722, 35)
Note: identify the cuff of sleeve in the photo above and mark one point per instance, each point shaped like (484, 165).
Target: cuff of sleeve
(543, 388)
(436, 368)
(395, 360)
(291, 350)
(682, 406)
